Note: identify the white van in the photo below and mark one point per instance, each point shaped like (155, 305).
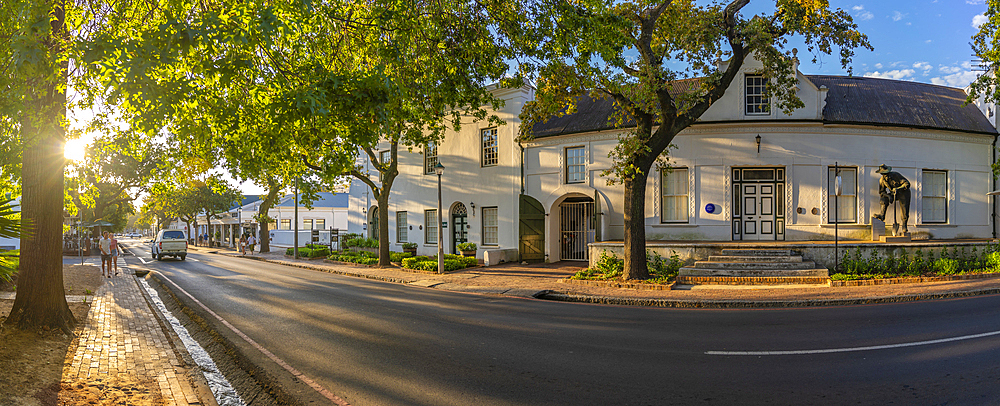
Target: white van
(169, 242)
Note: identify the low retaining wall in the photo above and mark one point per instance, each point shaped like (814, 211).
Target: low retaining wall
(820, 252)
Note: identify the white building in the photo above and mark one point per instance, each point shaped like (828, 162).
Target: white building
(724, 186)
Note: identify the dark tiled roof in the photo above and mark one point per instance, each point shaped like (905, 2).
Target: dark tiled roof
(326, 199)
(895, 102)
(853, 100)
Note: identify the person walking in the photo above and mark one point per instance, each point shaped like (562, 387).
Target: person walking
(243, 243)
(251, 242)
(105, 245)
(114, 255)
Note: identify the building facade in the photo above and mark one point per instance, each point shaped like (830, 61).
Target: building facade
(745, 172)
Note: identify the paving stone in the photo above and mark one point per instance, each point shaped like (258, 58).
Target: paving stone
(122, 335)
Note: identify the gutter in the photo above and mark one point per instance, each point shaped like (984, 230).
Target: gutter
(993, 215)
(519, 145)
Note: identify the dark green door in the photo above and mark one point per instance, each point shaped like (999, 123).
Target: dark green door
(531, 229)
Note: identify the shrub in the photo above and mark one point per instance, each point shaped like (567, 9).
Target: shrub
(946, 266)
(9, 264)
(409, 245)
(607, 267)
(466, 246)
(319, 252)
(661, 270)
(399, 256)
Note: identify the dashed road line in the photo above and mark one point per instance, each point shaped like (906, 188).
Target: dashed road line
(854, 349)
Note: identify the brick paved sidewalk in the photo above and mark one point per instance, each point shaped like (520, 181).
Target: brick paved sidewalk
(122, 340)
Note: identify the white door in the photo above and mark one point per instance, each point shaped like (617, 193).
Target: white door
(758, 211)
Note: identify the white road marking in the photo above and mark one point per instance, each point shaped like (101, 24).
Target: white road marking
(855, 349)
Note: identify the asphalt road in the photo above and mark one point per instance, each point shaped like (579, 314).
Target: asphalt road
(375, 343)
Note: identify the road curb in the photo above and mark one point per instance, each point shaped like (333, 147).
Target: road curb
(742, 304)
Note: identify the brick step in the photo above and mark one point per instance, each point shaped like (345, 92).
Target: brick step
(754, 265)
(750, 258)
(755, 252)
(751, 280)
(716, 272)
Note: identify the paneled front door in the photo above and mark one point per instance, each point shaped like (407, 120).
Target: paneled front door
(758, 209)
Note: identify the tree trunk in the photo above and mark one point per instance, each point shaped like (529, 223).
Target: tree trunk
(41, 300)
(383, 229)
(635, 228)
(262, 217)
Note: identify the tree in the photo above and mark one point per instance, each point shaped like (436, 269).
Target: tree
(664, 63)
(214, 196)
(986, 47)
(114, 172)
(438, 58)
(33, 104)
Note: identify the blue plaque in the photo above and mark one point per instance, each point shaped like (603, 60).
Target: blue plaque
(710, 208)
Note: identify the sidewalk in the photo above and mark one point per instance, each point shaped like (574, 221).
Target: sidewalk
(549, 281)
(124, 355)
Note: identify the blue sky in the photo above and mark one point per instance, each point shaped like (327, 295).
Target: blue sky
(922, 40)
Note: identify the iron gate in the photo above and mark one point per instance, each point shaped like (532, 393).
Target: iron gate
(577, 224)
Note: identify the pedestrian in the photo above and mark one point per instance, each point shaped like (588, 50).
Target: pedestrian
(105, 245)
(114, 255)
(243, 243)
(251, 242)
(199, 239)
(206, 239)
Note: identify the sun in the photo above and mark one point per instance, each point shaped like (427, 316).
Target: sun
(75, 149)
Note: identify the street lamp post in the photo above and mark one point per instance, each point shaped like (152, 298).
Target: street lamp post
(439, 170)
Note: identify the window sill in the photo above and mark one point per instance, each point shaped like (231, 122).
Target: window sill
(675, 225)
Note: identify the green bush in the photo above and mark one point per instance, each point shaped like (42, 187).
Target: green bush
(466, 246)
(426, 263)
(946, 266)
(409, 245)
(9, 264)
(399, 256)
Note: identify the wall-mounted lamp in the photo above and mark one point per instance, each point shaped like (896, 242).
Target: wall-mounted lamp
(473, 204)
(758, 143)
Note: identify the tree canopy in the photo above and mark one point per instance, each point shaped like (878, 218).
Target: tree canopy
(664, 63)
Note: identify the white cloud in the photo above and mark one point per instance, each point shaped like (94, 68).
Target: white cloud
(861, 14)
(924, 66)
(896, 16)
(973, 1)
(949, 69)
(959, 80)
(878, 65)
(978, 20)
(897, 74)
(927, 42)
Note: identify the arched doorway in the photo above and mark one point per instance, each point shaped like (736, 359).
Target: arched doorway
(373, 223)
(459, 226)
(577, 227)
(531, 230)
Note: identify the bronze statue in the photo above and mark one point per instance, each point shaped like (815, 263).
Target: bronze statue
(893, 187)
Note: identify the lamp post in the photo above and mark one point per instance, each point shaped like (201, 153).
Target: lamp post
(439, 170)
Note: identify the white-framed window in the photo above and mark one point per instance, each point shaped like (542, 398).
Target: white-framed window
(757, 103)
(286, 224)
(674, 195)
(490, 226)
(576, 167)
(401, 228)
(307, 224)
(935, 196)
(430, 158)
(490, 157)
(319, 224)
(844, 208)
(385, 158)
(431, 226)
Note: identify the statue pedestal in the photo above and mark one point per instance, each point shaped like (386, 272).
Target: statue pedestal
(878, 229)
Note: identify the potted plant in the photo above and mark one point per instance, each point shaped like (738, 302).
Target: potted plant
(410, 247)
(468, 249)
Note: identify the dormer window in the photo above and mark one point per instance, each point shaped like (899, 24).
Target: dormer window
(756, 101)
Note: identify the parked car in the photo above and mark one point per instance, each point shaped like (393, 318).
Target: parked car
(134, 235)
(169, 242)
